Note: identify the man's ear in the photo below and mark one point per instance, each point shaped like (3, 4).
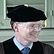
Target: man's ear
(15, 27)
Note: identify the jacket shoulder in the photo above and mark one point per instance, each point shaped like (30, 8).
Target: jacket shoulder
(1, 48)
(48, 49)
(47, 45)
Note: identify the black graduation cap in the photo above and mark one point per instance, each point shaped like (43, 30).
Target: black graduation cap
(22, 13)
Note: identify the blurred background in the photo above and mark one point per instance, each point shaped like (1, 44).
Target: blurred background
(47, 33)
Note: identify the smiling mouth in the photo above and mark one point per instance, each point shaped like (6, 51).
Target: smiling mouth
(34, 34)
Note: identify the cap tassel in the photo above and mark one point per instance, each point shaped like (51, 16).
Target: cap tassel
(45, 23)
(26, 5)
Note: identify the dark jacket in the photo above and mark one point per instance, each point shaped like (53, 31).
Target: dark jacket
(8, 47)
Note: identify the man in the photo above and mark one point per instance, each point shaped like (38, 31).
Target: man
(26, 22)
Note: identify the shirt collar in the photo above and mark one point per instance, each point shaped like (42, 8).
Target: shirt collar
(20, 46)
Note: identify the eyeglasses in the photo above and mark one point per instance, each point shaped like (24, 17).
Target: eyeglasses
(32, 26)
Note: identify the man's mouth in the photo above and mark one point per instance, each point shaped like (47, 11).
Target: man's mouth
(34, 34)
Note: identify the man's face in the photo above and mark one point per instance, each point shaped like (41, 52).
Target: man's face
(29, 31)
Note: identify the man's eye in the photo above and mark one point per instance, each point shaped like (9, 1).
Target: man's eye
(32, 26)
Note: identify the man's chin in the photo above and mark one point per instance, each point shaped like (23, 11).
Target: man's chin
(35, 40)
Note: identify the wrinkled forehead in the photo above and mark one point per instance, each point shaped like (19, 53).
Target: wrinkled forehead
(35, 22)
